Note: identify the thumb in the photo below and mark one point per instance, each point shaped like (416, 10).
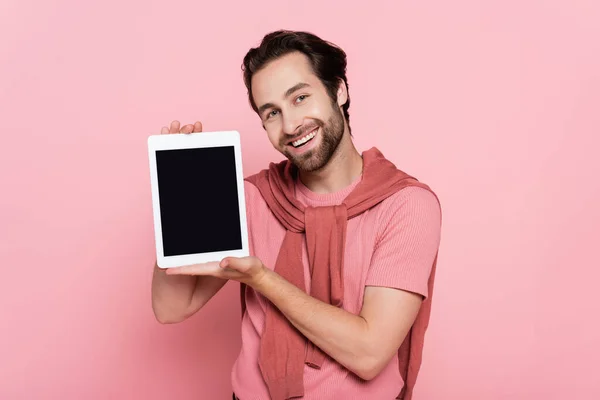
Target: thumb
(241, 264)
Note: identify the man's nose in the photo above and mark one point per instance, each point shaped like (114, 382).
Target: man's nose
(291, 123)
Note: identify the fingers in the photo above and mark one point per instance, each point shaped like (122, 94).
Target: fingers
(187, 129)
(242, 264)
(197, 127)
(206, 269)
(210, 268)
(175, 127)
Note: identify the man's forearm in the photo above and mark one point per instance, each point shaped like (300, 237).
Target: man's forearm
(339, 333)
(171, 295)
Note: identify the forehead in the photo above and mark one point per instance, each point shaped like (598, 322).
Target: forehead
(270, 83)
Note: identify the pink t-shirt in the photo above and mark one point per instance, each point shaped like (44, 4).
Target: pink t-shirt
(393, 244)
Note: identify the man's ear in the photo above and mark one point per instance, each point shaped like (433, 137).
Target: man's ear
(342, 93)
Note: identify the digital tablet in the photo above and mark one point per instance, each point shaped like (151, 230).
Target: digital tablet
(197, 197)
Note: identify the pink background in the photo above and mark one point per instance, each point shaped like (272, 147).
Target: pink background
(495, 104)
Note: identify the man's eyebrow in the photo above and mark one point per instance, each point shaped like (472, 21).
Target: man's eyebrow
(288, 93)
(265, 106)
(297, 86)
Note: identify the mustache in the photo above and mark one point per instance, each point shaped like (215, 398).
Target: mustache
(301, 132)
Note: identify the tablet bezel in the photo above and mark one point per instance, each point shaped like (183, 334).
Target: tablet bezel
(175, 141)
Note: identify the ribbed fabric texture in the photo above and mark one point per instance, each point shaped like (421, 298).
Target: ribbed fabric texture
(393, 244)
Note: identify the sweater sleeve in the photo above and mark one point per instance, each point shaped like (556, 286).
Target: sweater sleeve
(407, 242)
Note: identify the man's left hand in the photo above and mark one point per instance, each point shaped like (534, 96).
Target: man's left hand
(248, 270)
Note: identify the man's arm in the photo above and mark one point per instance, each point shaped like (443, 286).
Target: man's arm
(177, 297)
(396, 285)
(364, 343)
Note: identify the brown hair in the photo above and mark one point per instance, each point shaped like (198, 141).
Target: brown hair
(327, 60)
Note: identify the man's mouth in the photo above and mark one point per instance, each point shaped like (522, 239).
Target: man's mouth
(305, 139)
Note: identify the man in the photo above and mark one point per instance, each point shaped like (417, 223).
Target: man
(343, 244)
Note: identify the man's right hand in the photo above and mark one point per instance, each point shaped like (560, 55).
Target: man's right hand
(176, 127)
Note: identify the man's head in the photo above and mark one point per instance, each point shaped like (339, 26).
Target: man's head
(298, 87)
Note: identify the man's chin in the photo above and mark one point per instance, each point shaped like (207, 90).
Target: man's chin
(296, 160)
(311, 164)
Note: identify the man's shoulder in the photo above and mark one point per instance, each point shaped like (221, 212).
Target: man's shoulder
(406, 223)
(261, 181)
(252, 193)
(417, 193)
(254, 179)
(253, 182)
(276, 167)
(411, 203)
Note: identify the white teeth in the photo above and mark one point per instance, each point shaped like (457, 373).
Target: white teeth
(304, 139)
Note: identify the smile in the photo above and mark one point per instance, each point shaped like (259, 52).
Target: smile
(305, 139)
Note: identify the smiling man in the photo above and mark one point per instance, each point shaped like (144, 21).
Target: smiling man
(336, 294)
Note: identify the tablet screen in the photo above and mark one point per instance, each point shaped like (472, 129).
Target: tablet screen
(198, 197)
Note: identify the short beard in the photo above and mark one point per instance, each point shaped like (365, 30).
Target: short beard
(331, 136)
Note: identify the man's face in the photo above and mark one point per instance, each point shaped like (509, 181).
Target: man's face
(300, 119)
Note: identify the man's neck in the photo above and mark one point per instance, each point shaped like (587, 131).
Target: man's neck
(343, 168)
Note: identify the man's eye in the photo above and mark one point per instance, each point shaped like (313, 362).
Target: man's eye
(272, 114)
(300, 98)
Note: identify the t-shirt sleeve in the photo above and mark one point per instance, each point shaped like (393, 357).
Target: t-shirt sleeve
(407, 241)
